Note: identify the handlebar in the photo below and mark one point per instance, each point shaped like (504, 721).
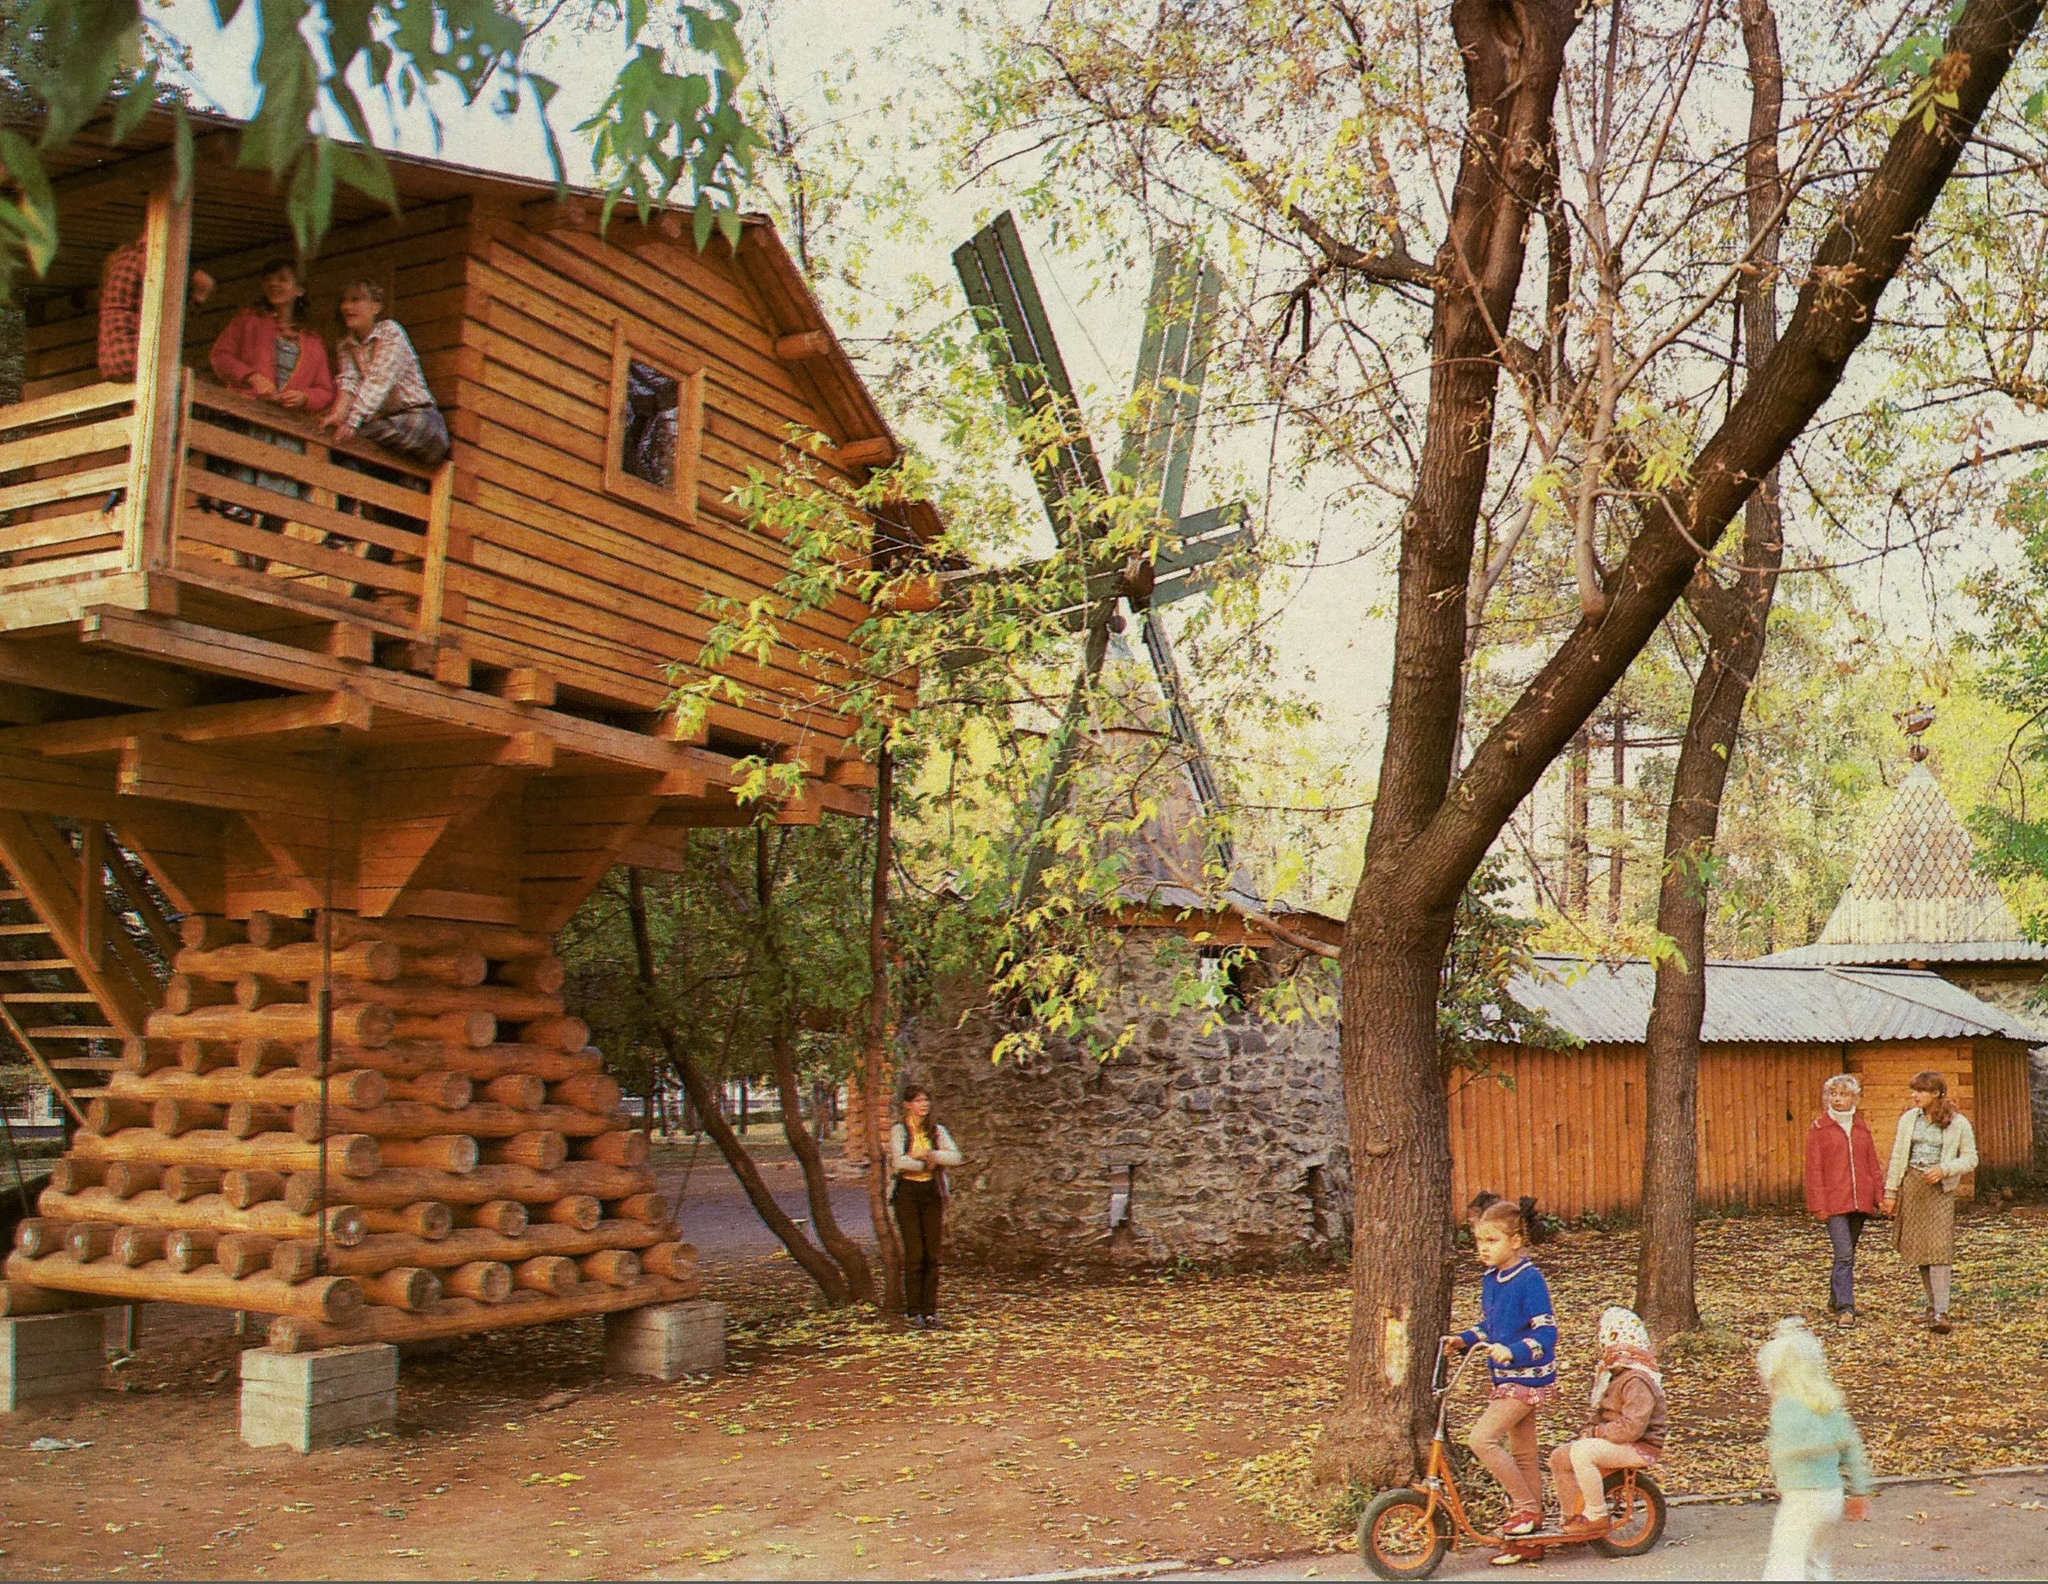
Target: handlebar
(1438, 1384)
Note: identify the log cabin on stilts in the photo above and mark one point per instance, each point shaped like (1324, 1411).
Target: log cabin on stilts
(284, 712)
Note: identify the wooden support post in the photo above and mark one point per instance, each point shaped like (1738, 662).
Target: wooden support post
(434, 574)
(92, 891)
(152, 455)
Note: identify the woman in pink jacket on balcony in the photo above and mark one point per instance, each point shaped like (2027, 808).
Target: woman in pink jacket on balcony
(266, 352)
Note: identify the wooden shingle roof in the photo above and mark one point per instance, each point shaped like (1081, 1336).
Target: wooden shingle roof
(1916, 895)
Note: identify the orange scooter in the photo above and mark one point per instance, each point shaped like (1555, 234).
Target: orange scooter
(1407, 1533)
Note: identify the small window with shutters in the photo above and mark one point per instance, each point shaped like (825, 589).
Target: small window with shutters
(656, 422)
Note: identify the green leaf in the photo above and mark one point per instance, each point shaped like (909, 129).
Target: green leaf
(34, 214)
(366, 170)
(181, 153)
(134, 105)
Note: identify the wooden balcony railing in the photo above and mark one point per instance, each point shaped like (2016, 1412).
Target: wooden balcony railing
(64, 464)
(270, 508)
(262, 505)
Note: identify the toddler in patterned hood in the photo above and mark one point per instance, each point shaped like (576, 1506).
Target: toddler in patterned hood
(1625, 1430)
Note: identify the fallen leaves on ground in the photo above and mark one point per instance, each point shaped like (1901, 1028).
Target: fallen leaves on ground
(1055, 1424)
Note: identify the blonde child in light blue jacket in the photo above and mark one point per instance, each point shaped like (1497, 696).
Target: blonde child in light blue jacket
(1817, 1457)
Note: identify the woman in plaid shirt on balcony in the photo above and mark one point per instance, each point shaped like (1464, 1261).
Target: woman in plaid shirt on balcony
(380, 392)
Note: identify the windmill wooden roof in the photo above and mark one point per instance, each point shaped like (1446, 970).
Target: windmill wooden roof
(1916, 894)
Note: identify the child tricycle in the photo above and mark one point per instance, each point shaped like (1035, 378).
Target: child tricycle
(1406, 1533)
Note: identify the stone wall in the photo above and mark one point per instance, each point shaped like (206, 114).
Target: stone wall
(1233, 1138)
(2012, 988)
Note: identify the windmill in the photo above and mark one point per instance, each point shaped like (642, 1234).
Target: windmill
(1167, 389)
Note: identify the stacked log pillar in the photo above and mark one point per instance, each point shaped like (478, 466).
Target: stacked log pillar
(461, 1165)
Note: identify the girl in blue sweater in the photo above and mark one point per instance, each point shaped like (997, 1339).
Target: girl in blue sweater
(1519, 1334)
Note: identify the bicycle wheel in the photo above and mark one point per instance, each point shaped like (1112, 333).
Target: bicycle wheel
(1399, 1538)
(1639, 1511)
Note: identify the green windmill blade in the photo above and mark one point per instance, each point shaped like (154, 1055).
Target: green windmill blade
(1173, 358)
(1166, 397)
(1166, 388)
(996, 275)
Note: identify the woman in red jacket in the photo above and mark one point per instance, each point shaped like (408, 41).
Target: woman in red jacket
(1844, 1183)
(267, 352)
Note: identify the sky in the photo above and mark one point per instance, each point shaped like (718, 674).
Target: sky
(1331, 628)
(1332, 644)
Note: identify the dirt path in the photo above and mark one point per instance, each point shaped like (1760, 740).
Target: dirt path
(833, 1449)
(1053, 1427)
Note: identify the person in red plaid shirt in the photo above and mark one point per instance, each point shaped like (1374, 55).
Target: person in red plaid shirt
(121, 307)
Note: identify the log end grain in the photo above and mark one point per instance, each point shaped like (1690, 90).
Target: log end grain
(581, 1211)
(552, 1274)
(408, 1287)
(623, 1148)
(613, 1267)
(243, 1188)
(487, 1281)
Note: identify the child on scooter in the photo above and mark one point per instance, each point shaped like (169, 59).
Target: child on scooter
(1626, 1430)
(1519, 1334)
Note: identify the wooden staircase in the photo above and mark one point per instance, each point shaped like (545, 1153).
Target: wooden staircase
(84, 950)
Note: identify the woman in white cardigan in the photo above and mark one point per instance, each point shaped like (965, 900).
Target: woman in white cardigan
(1934, 1149)
(920, 1150)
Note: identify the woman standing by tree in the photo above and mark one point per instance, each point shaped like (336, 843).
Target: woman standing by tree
(1843, 1184)
(920, 1150)
(1934, 1149)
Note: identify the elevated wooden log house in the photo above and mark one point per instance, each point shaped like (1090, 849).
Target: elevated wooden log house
(432, 707)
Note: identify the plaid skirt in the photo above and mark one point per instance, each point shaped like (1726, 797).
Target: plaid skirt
(1924, 1230)
(416, 433)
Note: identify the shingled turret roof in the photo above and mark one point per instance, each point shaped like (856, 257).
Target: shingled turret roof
(1916, 896)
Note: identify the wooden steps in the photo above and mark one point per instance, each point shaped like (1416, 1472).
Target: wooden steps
(75, 978)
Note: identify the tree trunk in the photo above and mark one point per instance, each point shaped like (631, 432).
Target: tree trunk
(816, 1264)
(1577, 797)
(1396, 936)
(1736, 622)
(1617, 816)
(853, 1264)
(874, 1112)
(1426, 839)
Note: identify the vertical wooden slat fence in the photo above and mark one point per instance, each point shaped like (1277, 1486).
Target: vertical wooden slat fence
(1569, 1128)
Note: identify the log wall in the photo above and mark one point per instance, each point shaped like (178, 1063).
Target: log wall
(2003, 1114)
(463, 1183)
(547, 565)
(544, 568)
(1568, 1126)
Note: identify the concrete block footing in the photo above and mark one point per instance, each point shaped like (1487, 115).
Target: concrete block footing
(43, 1357)
(666, 1341)
(307, 1401)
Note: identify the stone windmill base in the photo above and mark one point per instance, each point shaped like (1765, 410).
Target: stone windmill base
(462, 1165)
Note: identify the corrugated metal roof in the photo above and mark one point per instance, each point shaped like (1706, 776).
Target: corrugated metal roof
(2020, 951)
(1756, 1003)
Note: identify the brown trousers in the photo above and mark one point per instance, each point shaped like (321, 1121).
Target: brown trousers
(1504, 1439)
(920, 1219)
